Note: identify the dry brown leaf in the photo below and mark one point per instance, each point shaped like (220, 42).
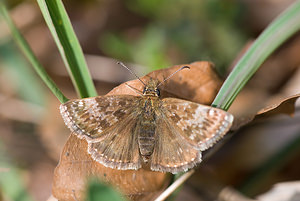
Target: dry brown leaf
(199, 84)
(283, 106)
(76, 166)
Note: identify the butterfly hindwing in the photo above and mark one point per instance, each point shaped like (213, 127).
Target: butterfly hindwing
(200, 125)
(172, 153)
(119, 149)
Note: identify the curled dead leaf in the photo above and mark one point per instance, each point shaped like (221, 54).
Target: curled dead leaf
(199, 84)
(283, 106)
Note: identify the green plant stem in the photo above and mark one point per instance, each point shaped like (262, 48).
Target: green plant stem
(283, 27)
(61, 29)
(27, 51)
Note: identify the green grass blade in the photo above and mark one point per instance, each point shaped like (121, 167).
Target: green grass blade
(28, 86)
(274, 35)
(30, 55)
(61, 29)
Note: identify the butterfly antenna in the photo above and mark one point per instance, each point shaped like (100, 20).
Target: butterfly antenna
(121, 63)
(183, 67)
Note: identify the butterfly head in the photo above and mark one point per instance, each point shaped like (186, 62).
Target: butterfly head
(151, 92)
(151, 89)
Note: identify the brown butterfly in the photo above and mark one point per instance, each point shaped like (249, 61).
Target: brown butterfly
(128, 132)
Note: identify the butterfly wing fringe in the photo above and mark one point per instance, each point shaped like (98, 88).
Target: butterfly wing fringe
(219, 129)
(69, 122)
(119, 149)
(200, 125)
(179, 168)
(88, 118)
(111, 162)
(172, 153)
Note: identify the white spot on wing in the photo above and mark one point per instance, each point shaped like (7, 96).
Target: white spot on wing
(211, 112)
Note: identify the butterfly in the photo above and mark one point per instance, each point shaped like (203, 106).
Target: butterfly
(130, 132)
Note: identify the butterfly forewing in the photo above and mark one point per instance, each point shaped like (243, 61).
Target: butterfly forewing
(171, 152)
(200, 125)
(90, 117)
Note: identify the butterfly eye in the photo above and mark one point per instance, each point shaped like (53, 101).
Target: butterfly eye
(157, 92)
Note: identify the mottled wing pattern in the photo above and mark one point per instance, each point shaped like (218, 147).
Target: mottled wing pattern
(171, 152)
(106, 122)
(119, 149)
(90, 117)
(200, 125)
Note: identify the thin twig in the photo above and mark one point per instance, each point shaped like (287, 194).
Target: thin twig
(175, 185)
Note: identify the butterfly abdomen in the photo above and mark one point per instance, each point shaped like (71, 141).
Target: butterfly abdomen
(146, 139)
(146, 131)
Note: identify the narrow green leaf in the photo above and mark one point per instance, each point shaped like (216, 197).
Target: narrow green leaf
(28, 86)
(283, 27)
(30, 55)
(61, 29)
